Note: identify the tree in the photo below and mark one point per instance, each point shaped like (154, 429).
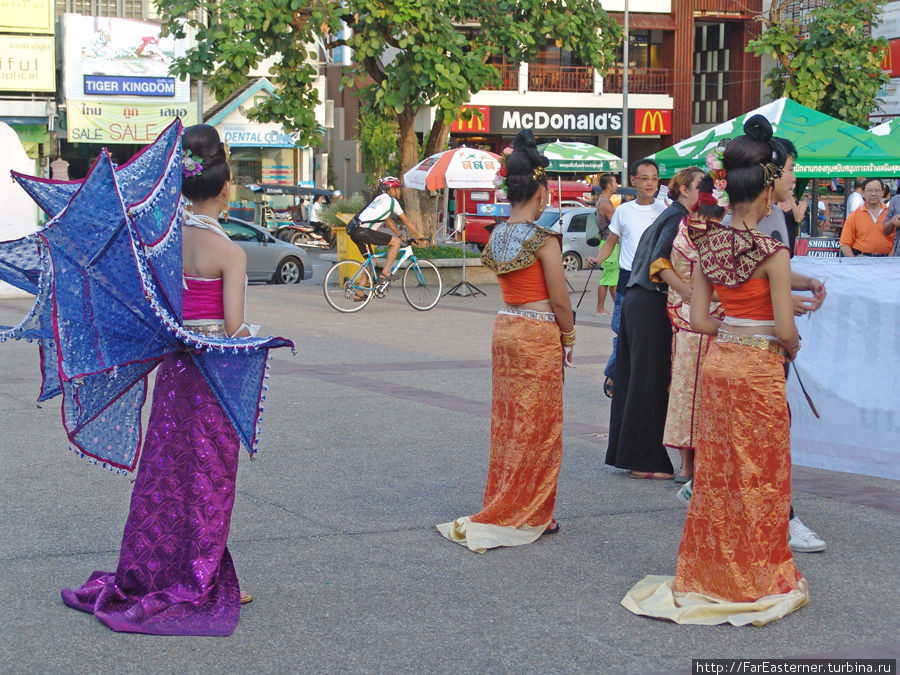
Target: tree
(378, 146)
(410, 55)
(831, 63)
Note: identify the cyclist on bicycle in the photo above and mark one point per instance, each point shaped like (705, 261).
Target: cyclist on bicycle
(363, 229)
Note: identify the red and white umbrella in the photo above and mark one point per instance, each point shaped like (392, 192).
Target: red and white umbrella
(457, 168)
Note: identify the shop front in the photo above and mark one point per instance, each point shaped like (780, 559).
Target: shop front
(258, 153)
(494, 127)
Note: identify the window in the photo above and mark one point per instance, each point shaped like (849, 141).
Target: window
(578, 223)
(711, 67)
(123, 9)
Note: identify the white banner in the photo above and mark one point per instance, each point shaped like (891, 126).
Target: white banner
(850, 365)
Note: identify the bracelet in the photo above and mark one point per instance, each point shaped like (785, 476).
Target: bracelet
(567, 338)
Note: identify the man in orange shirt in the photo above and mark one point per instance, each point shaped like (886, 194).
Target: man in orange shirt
(863, 230)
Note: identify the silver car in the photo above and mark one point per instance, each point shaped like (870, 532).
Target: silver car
(573, 225)
(268, 259)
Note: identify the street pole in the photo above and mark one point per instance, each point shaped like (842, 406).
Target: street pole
(624, 180)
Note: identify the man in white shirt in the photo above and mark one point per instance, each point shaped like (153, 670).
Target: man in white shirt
(856, 198)
(628, 223)
(363, 229)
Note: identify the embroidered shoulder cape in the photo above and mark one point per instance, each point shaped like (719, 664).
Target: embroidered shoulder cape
(511, 246)
(729, 256)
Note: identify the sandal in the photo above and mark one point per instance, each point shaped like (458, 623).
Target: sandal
(552, 528)
(652, 475)
(245, 598)
(608, 387)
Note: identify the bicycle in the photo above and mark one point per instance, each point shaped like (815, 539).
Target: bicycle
(350, 285)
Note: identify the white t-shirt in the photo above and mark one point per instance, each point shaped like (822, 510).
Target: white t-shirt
(854, 201)
(628, 223)
(379, 209)
(315, 212)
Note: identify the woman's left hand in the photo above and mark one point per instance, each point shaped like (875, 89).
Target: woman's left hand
(568, 360)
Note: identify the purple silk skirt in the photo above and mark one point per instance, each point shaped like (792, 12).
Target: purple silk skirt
(175, 575)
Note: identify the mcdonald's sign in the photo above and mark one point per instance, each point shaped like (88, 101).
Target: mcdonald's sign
(476, 124)
(652, 122)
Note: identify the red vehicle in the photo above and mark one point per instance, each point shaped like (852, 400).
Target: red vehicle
(478, 208)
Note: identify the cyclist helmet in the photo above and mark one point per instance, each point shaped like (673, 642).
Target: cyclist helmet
(388, 182)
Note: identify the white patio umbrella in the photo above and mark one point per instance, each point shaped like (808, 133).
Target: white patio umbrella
(456, 168)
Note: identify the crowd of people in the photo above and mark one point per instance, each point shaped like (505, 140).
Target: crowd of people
(704, 310)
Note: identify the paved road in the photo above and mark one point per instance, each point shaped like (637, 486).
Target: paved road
(374, 431)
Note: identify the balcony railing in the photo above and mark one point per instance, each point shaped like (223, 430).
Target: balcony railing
(509, 77)
(542, 77)
(640, 81)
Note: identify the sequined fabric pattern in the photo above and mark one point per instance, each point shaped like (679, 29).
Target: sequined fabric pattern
(728, 256)
(511, 246)
(175, 574)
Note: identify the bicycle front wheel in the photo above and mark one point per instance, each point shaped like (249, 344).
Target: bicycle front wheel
(348, 286)
(422, 285)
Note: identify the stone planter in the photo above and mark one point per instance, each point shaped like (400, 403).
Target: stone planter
(476, 273)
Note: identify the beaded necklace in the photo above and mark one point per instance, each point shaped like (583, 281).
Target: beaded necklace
(203, 222)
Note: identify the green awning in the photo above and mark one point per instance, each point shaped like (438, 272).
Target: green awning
(827, 147)
(579, 158)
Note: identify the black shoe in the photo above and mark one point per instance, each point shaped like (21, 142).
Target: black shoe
(388, 277)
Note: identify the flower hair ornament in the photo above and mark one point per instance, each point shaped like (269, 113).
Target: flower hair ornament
(500, 178)
(191, 165)
(716, 165)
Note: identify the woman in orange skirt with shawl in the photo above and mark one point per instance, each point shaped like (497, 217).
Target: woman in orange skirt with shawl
(534, 334)
(734, 564)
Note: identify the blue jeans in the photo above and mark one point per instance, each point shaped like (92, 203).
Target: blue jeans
(621, 289)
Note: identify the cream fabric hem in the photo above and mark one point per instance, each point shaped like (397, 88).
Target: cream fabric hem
(479, 537)
(653, 596)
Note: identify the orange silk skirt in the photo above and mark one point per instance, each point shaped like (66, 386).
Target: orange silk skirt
(526, 423)
(735, 541)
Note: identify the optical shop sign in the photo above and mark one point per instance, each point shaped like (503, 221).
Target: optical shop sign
(27, 63)
(120, 123)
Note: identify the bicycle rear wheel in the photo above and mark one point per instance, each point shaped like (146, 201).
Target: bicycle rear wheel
(422, 285)
(348, 286)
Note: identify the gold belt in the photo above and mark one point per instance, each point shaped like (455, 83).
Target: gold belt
(216, 329)
(755, 341)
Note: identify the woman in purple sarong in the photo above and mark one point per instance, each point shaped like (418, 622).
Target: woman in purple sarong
(175, 574)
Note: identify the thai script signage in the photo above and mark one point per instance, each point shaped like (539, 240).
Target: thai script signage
(113, 123)
(26, 16)
(117, 85)
(27, 63)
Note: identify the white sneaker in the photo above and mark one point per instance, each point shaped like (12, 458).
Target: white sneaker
(802, 539)
(684, 494)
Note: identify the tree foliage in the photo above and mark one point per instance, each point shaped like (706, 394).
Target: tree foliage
(830, 63)
(378, 147)
(409, 55)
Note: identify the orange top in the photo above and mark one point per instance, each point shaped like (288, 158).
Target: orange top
(749, 300)
(864, 234)
(524, 285)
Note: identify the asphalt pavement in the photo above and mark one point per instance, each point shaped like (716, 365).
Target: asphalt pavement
(374, 431)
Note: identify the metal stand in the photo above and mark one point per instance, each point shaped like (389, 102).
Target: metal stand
(464, 288)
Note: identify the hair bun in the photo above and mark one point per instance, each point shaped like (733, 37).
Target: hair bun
(524, 142)
(758, 128)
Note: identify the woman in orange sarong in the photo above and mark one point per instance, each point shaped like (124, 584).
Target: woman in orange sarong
(688, 347)
(734, 564)
(533, 338)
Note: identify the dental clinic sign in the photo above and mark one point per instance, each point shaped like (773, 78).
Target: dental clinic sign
(257, 136)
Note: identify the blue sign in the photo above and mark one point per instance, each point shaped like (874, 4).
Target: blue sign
(118, 85)
(500, 210)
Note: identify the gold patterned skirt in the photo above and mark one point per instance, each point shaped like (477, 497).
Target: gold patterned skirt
(526, 437)
(734, 564)
(688, 351)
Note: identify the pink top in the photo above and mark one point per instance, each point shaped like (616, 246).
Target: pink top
(202, 299)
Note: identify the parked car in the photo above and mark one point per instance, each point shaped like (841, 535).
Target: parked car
(268, 259)
(573, 226)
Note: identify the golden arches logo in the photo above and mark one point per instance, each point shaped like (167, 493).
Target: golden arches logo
(653, 122)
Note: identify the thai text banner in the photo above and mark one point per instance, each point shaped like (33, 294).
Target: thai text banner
(27, 63)
(112, 123)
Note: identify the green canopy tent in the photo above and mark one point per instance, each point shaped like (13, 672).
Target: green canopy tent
(827, 147)
(579, 158)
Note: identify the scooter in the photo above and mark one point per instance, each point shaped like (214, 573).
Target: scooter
(303, 234)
